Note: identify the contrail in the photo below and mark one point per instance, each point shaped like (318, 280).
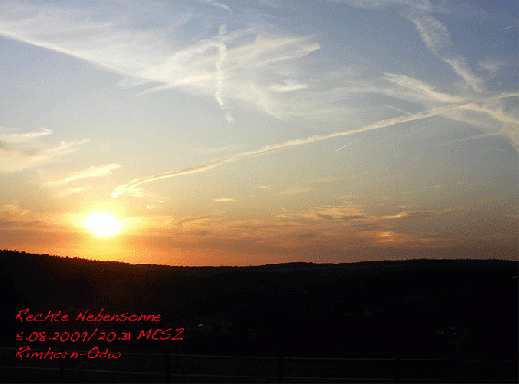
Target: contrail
(121, 189)
(344, 146)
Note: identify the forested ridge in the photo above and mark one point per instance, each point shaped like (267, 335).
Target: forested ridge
(414, 308)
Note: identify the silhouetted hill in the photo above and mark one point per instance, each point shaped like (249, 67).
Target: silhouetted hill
(443, 308)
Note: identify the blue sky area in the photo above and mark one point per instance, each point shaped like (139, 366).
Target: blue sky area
(246, 133)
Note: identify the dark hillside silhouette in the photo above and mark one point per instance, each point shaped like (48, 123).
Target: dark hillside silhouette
(416, 308)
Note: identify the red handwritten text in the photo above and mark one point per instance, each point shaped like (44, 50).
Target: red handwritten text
(164, 334)
(122, 317)
(94, 353)
(39, 317)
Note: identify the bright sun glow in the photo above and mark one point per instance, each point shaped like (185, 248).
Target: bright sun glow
(102, 224)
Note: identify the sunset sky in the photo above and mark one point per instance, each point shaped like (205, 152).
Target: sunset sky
(254, 132)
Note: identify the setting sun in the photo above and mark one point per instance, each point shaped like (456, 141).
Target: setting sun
(102, 224)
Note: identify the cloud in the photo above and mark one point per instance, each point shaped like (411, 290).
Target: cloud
(207, 151)
(129, 187)
(71, 191)
(344, 146)
(492, 112)
(512, 132)
(460, 66)
(222, 49)
(13, 216)
(437, 38)
(93, 171)
(409, 215)
(421, 90)
(492, 66)
(197, 220)
(342, 212)
(331, 179)
(367, 4)
(336, 224)
(295, 190)
(63, 148)
(290, 86)
(433, 33)
(13, 209)
(18, 158)
(344, 230)
(353, 212)
(229, 117)
(21, 137)
(397, 109)
(224, 199)
(218, 5)
(246, 64)
(142, 193)
(385, 237)
(243, 65)
(125, 188)
(227, 65)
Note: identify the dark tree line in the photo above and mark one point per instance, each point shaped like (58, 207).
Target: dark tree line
(427, 308)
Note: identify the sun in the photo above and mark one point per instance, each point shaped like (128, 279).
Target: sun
(102, 224)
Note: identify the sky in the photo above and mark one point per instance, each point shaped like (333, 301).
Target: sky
(257, 132)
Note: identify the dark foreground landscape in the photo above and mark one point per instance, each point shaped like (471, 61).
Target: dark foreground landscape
(416, 320)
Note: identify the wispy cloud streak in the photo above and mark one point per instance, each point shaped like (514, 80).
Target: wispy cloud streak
(18, 155)
(436, 112)
(437, 38)
(422, 90)
(292, 143)
(433, 33)
(93, 171)
(344, 146)
(218, 5)
(22, 137)
(236, 60)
